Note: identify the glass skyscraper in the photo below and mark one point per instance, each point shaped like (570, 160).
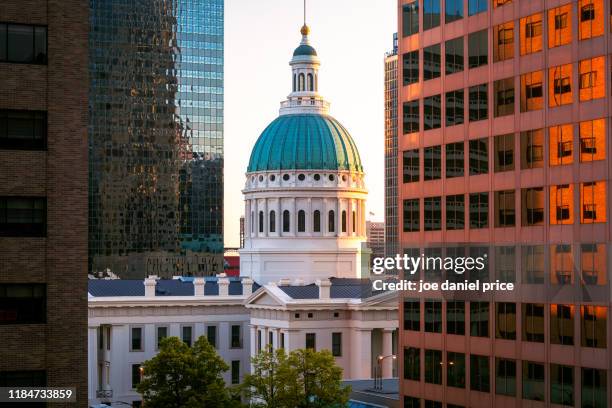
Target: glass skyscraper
(156, 137)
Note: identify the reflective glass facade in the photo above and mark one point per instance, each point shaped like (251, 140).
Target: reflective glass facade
(156, 137)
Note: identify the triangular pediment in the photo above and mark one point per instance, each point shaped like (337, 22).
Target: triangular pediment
(385, 300)
(266, 296)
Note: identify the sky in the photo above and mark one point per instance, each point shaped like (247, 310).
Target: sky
(351, 38)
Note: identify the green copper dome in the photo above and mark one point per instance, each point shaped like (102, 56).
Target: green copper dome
(304, 49)
(305, 142)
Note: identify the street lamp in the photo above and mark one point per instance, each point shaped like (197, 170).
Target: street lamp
(378, 372)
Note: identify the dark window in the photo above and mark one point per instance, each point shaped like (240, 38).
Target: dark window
(433, 316)
(337, 344)
(162, 333)
(478, 49)
(455, 369)
(454, 107)
(411, 67)
(562, 384)
(533, 381)
(479, 156)
(431, 14)
(411, 215)
(412, 364)
(23, 43)
(187, 335)
(562, 324)
(311, 341)
(235, 371)
(594, 384)
(432, 163)
(432, 208)
(30, 378)
(505, 321)
(316, 221)
(432, 109)
(476, 6)
(455, 212)
(412, 402)
(411, 166)
(431, 62)
(261, 221)
(533, 322)
(136, 339)
(286, 221)
(433, 366)
(560, 21)
(20, 129)
(532, 149)
(301, 221)
(236, 341)
(343, 221)
(504, 97)
(505, 377)
(593, 326)
(505, 207)
(272, 221)
(136, 375)
(331, 221)
(410, 19)
(211, 335)
(455, 317)
(587, 12)
(412, 315)
(504, 153)
(479, 102)
(479, 210)
(479, 319)
(453, 11)
(433, 404)
(479, 373)
(23, 216)
(455, 160)
(454, 55)
(23, 303)
(411, 116)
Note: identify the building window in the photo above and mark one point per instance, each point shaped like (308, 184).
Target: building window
(479, 156)
(260, 340)
(561, 144)
(23, 216)
(562, 384)
(503, 42)
(261, 221)
(505, 321)
(455, 160)
(533, 381)
(562, 204)
(592, 140)
(412, 364)
(479, 102)
(455, 212)
(301, 221)
(431, 14)
(187, 335)
(533, 322)
(22, 43)
(504, 153)
(136, 339)
(272, 221)
(411, 116)
(331, 221)
(411, 67)
(532, 206)
(23, 130)
(593, 264)
(411, 402)
(411, 166)
(479, 373)
(29, 378)
(433, 316)
(560, 85)
(479, 210)
(286, 221)
(455, 369)
(592, 78)
(136, 375)
(316, 221)
(337, 344)
(455, 317)
(591, 21)
(532, 149)
(505, 263)
(211, 335)
(479, 319)
(533, 264)
(532, 91)
(499, 3)
(432, 109)
(411, 215)
(410, 19)
(235, 371)
(236, 340)
(454, 55)
(162, 333)
(23, 303)
(594, 384)
(433, 366)
(593, 326)
(432, 163)
(478, 49)
(560, 26)
(432, 208)
(311, 341)
(454, 107)
(593, 202)
(504, 97)
(505, 213)
(562, 324)
(453, 11)
(343, 221)
(505, 377)
(412, 315)
(561, 264)
(476, 6)
(431, 62)
(531, 34)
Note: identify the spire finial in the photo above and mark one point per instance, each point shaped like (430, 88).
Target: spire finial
(305, 29)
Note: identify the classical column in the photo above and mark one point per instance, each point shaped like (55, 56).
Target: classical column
(266, 225)
(92, 357)
(247, 218)
(253, 340)
(361, 354)
(387, 350)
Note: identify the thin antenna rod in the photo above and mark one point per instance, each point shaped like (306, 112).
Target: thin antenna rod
(304, 12)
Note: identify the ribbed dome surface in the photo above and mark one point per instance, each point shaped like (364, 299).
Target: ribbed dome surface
(304, 49)
(305, 142)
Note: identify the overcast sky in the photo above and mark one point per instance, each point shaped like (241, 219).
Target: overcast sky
(351, 38)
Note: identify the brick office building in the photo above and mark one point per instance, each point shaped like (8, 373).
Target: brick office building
(504, 143)
(43, 194)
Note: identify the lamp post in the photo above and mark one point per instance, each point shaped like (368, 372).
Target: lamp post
(378, 374)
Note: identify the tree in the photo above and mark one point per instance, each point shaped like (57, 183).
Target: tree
(303, 379)
(185, 377)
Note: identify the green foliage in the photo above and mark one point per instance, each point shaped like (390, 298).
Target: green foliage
(185, 377)
(303, 379)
